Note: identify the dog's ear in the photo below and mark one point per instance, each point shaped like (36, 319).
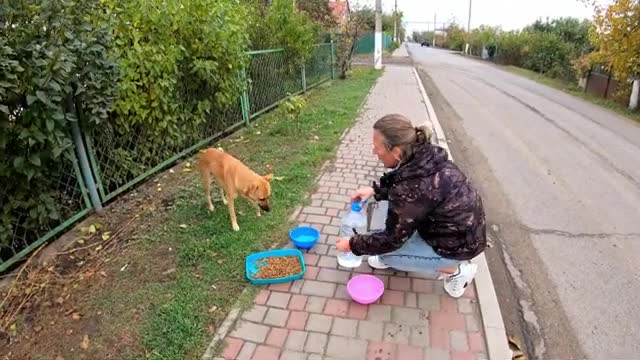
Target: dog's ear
(250, 189)
(268, 177)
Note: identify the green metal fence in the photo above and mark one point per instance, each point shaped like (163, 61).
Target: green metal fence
(366, 44)
(118, 160)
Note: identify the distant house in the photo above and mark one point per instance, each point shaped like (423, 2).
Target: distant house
(341, 10)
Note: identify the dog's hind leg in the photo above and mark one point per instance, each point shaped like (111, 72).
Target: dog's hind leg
(232, 211)
(224, 198)
(206, 183)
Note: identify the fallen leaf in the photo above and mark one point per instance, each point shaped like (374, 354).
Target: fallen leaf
(170, 271)
(124, 267)
(85, 343)
(13, 329)
(80, 241)
(184, 226)
(258, 133)
(37, 328)
(159, 189)
(106, 235)
(213, 309)
(171, 171)
(103, 274)
(186, 170)
(211, 329)
(220, 262)
(75, 316)
(98, 248)
(60, 300)
(188, 164)
(279, 178)
(268, 166)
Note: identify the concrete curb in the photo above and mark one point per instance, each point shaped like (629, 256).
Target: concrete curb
(492, 322)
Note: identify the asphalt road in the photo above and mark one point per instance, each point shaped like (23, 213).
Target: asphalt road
(560, 179)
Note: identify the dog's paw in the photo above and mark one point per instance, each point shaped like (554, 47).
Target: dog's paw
(224, 201)
(258, 214)
(235, 227)
(210, 207)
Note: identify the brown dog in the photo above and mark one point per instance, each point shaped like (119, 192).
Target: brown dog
(235, 179)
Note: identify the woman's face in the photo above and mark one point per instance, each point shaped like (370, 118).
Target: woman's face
(391, 158)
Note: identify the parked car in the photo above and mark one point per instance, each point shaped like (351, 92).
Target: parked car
(425, 43)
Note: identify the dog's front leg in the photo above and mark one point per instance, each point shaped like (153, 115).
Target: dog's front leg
(258, 214)
(232, 210)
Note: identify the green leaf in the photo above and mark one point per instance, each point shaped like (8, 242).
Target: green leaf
(42, 97)
(4, 109)
(18, 162)
(35, 159)
(31, 99)
(50, 124)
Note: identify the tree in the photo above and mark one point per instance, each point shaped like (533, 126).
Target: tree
(319, 12)
(617, 37)
(350, 32)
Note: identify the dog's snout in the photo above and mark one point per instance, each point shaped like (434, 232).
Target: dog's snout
(265, 207)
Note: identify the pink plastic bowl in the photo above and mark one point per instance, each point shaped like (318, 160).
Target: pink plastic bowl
(365, 289)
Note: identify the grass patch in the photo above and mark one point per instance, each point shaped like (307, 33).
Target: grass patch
(209, 255)
(572, 89)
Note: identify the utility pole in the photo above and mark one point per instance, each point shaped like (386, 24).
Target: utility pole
(378, 36)
(466, 50)
(435, 28)
(395, 22)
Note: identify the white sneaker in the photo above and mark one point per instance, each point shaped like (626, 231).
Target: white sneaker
(456, 284)
(376, 263)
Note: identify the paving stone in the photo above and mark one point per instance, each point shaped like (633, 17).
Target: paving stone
(279, 300)
(298, 302)
(465, 306)
(296, 340)
(342, 293)
(315, 304)
(316, 343)
(251, 332)
(399, 283)
(408, 316)
(409, 352)
(429, 302)
(276, 317)
(370, 330)
(297, 320)
(319, 219)
(319, 323)
(247, 351)
(255, 314)
(344, 327)
(336, 307)
(436, 354)
(232, 348)
(419, 335)
(379, 313)
(264, 352)
(328, 262)
(397, 333)
(459, 341)
(382, 351)
(346, 348)
(292, 355)
(316, 210)
(411, 300)
(318, 288)
(357, 311)
(335, 276)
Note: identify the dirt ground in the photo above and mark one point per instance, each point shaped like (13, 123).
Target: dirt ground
(49, 313)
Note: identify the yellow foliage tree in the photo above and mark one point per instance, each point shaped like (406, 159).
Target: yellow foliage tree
(617, 37)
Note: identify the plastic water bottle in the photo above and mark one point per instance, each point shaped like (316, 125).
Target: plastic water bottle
(356, 221)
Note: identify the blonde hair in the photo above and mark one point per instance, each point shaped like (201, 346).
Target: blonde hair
(398, 131)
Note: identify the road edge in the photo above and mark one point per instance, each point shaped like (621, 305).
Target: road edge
(492, 322)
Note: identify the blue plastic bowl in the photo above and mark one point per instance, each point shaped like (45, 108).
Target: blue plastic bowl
(304, 237)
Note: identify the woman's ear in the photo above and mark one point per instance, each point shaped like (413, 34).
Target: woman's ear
(397, 153)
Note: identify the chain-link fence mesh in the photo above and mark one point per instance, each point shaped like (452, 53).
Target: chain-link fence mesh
(23, 231)
(120, 158)
(318, 68)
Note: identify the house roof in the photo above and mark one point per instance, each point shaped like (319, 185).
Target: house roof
(340, 8)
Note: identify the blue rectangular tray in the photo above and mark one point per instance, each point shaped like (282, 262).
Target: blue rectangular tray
(253, 262)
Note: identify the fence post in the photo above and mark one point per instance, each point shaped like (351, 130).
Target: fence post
(333, 65)
(244, 99)
(304, 79)
(81, 152)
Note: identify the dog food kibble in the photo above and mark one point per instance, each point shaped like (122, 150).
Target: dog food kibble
(277, 267)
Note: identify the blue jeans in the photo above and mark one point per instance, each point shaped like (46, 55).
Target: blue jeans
(417, 256)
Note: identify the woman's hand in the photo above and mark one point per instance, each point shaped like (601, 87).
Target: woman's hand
(362, 194)
(342, 244)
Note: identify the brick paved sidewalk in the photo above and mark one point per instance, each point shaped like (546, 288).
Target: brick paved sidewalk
(314, 318)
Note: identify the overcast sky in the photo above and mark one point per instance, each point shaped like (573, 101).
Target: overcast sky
(509, 14)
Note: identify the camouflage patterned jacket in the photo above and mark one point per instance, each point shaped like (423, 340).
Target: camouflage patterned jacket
(428, 194)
